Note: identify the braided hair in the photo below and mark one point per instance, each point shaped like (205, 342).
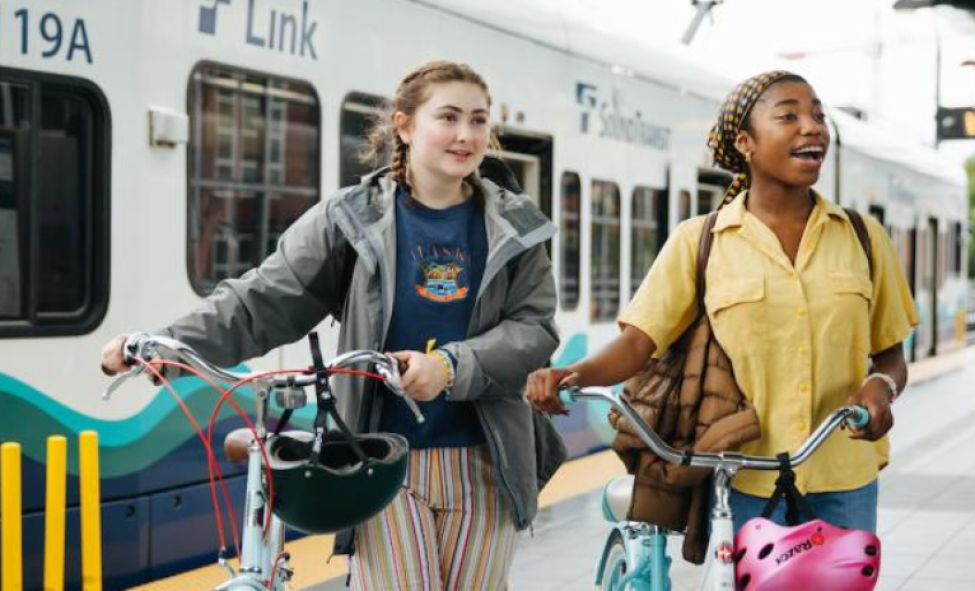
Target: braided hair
(413, 91)
(733, 120)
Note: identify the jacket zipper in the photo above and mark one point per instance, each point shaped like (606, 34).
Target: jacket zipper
(500, 459)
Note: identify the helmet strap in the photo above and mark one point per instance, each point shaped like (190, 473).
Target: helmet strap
(785, 486)
(326, 407)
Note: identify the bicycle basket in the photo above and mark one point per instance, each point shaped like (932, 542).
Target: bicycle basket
(340, 491)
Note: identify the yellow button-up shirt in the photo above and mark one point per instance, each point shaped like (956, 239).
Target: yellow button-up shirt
(799, 336)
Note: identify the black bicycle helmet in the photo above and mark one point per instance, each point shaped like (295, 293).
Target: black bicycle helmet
(340, 490)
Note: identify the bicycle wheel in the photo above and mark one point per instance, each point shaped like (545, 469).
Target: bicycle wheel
(613, 566)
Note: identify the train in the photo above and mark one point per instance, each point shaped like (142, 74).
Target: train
(149, 150)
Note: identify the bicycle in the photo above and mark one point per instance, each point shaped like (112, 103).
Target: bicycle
(635, 554)
(263, 563)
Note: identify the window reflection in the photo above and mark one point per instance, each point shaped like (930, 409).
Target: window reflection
(604, 256)
(254, 168)
(569, 239)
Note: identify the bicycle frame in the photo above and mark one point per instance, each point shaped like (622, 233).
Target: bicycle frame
(261, 556)
(645, 545)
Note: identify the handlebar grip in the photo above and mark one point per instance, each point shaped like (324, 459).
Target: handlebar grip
(567, 397)
(859, 418)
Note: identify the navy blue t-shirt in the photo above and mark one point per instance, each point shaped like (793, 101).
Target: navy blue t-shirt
(440, 257)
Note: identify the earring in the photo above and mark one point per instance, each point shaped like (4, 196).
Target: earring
(748, 156)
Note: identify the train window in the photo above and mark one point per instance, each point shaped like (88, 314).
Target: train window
(359, 112)
(880, 213)
(708, 199)
(683, 205)
(649, 221)
(604, 258)
(253, 162)
(54, 205)
(569, 238)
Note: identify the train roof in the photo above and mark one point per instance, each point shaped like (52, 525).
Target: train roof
(548, 23)
(886, 144)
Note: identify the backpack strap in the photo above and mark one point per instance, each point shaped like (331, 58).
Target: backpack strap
(861, 229)
(703, 253)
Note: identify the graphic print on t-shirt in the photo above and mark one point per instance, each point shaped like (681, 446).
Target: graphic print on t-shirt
(443, 273)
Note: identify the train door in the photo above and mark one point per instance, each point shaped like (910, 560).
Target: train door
(931, 285)
(529, 157)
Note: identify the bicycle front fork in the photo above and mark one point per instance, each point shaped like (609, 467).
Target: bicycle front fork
(641, 552)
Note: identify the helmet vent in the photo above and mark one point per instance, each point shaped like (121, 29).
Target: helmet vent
(870, 550)
(867, 571)
(766, 550)
(743, 582)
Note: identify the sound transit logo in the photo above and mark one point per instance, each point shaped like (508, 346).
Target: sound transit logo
(610, 120)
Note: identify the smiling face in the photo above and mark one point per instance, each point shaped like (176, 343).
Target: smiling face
(448, 134)
(787, 136)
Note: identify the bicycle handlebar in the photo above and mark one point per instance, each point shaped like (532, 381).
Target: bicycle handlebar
(856, 416)
(146, 346)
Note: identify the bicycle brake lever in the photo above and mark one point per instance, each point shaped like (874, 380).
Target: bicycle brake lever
(120, 379)
(391, 376)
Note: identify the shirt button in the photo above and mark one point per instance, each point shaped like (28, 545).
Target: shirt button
(801, 311)
(794, 275)
(802, 426)
(803, 387)
(803, 349)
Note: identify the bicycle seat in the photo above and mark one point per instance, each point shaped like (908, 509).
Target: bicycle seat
(616, 498)
(236, 443)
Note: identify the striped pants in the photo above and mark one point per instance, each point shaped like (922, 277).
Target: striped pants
(446, 530)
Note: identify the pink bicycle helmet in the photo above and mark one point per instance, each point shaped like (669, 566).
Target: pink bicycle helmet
(813, 555)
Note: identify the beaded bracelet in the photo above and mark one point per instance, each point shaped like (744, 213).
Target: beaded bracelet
(887, 380)
(447, 365)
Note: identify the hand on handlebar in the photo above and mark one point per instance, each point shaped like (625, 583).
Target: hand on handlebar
(875, 397)
(118, 356)
(423, 376)
(543, 387)
(113, 360)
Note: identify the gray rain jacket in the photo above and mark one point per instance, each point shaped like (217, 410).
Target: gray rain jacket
(511, 333)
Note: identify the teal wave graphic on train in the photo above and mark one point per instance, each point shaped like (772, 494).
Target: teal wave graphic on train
(155, 449)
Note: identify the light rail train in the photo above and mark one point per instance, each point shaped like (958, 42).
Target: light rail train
(150, 149)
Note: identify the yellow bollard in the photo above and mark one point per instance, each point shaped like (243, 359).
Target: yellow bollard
(57, 462)
(10, 514)
(91, 527)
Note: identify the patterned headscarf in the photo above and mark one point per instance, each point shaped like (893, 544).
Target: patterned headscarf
(734, 113)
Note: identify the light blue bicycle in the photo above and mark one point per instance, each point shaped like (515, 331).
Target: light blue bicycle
(635, 556)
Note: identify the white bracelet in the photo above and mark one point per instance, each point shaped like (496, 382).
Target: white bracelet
(891, 384)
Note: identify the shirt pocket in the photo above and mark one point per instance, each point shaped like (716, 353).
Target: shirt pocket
(850, 298)
(738, 313)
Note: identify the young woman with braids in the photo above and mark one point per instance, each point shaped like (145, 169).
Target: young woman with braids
(451, 275)
(791, 299)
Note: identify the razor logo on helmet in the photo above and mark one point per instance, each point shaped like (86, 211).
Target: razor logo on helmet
(803, 546)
